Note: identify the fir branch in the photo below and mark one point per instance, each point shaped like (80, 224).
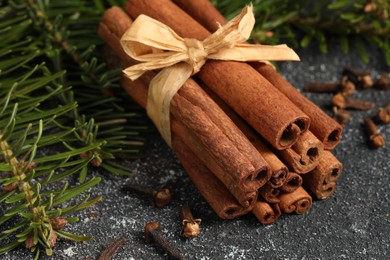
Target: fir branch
(301, 22)
(43, 144)
(87, 71)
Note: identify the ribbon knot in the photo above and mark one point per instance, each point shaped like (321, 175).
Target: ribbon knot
(157, 46)
(197, 55)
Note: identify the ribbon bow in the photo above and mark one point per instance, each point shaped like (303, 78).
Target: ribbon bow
(157, 46)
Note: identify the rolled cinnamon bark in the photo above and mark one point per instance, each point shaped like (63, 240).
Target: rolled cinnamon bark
(196, 10)
(266, 213)
(303, 156)
(214, 192)
(212, 189)
(267, 110)
(322, 180)
(269, 194)
(279, 170)
(323, 126)
(218, 135)
(293, 182)
(298, 201)
(244, 197)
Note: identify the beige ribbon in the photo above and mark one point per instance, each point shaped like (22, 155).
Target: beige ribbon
(159, 47)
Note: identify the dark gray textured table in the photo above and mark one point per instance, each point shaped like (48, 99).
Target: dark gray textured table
(353, 224)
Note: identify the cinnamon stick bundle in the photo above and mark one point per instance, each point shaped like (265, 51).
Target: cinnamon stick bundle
(325, 128)
(239, 85)
(265, 212)
(227, 146)
(303, 156)
(298, 201)
(322, 180)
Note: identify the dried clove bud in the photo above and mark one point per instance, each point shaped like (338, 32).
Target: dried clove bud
(153, 233)
(345, 86)
(375, 138)
(361, 80)
(190, 225)
(383, 82)
(384, 114)
(318, 87)
(342, 102)
(112, 248)
(341, 115)
(160, 197)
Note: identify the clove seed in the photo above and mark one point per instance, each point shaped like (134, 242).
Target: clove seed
(112, 249)
(383, 82)
(376, 139)
(153, 233)
(342, 116)
(345, 86)
(190, 225)
(160, 197)
(361, 80)
(384, 114)
(342, 102)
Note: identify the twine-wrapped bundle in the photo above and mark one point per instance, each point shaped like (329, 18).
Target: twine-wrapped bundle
(228, 125)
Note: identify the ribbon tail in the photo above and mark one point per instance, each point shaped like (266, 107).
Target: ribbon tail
(248, 52)
(161, 91)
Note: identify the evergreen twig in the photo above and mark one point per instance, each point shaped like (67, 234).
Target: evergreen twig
(359, 23)
(44, 142)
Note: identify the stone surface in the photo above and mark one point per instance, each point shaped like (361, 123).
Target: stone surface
(352, 224)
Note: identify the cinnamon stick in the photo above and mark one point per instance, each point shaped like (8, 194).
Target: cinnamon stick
(322, 180)
(240, 86)
(212, 189)
(265, 212)
(244, 197)
(214, 192)
(303, 156)
(298, 201)
(326, 129)
(196, 10)
(218, 135)
(269, 194)
(279, 170)
(293, 182)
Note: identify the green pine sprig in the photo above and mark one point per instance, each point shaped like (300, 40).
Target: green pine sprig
(359, 23)
(61, 113)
